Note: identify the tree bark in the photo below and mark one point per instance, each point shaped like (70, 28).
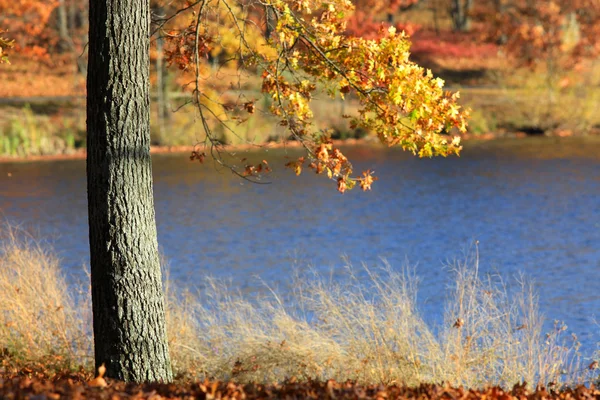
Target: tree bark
(128, 303)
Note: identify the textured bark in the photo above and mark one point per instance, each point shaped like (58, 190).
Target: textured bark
(128, 305)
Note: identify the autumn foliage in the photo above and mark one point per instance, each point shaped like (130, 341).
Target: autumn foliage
(402, 103)
(4, 44)
(370, 16)
(28, 22)
(309, 52)
(296, 51)
(562, 31)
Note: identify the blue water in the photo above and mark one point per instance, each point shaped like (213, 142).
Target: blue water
(533, 205)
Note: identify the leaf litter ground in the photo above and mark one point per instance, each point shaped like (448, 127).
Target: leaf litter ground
(34, 382)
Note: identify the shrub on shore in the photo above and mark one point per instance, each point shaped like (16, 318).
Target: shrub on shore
(366, 329)
(25, 133)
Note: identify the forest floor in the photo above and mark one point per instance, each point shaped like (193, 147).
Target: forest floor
(27, 383)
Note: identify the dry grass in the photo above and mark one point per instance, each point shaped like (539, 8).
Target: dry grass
(40, 315)
(366, 329)
(493, 335)
(369, 330)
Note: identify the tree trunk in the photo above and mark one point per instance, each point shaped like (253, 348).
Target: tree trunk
(81, 64)
(128, 305)
(436, 23)
(459, 11)
(500, 10)
(467, 15)
(160, 88)
(72, 17)
(270, 22)
(62, 25)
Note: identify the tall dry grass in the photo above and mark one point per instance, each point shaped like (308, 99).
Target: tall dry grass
(40, 315)
(366, 329)
(369, 330)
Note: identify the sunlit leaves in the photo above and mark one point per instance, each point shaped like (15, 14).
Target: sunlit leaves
(367, 180)
(308, 51)
(400, 102)
(183, 46)
(4, 44)
(296, 165)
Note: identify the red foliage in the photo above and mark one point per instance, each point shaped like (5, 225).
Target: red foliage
(537, 31)
(379, 7)
(363, 24)
(451, 45)
(36, 26)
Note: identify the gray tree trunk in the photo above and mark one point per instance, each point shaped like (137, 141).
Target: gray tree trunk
(459, 11)
(82, 67)
(63, 31)
(128, 305)
(162, 94)
(270, 22)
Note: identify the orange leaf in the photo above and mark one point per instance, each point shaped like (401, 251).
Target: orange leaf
(341, 185)
(99, 381)
(367, 180)
(249, 106)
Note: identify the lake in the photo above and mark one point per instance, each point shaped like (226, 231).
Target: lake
(533, 205)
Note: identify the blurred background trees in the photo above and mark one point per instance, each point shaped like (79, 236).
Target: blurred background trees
(55, 32)
(535, 60)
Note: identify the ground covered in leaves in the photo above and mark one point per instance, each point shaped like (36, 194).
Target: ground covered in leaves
(34, 383)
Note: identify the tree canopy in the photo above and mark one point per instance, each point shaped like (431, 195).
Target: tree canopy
(308, 52)
(557, 32)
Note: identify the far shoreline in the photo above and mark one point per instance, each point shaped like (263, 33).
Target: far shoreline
(81, 153)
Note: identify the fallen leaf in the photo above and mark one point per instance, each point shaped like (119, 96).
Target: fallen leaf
(99, 381)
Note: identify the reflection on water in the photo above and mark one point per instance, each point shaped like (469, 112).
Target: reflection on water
(533, 205)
